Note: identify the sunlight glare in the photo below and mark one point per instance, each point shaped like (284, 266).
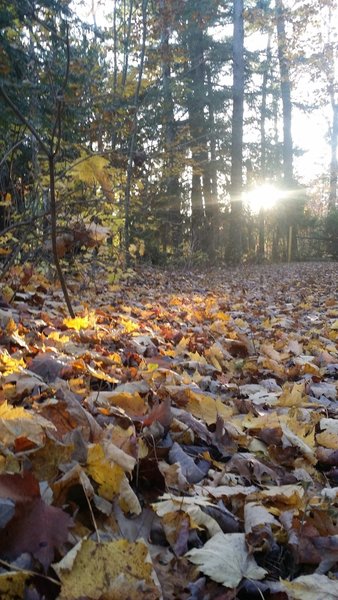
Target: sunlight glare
(262, 197)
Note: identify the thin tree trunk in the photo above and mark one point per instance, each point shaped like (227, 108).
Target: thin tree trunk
(51, 153)
(267, 67)
(210, 187)
(171, 177)
(286, 94)
(213, 154)
(127, 26)
(333, 164)
(235, 237)
(132, 145)
(261, 216)
(290, 235)
(332, 81)
(196, 104)
(261, 235)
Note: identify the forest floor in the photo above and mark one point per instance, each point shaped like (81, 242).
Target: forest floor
(178, 439)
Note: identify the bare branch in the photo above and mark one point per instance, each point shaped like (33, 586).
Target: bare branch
(12, 148)
(23, 120)
(23, 223)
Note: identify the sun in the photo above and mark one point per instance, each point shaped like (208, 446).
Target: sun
(262, 197)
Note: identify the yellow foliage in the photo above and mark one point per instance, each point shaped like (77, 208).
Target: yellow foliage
(10, 364)
(129, 326)
(7, 292)
(206, 407)
(106, 474)
(77, 323)
(111, 570)
(13, 584)
(90, 169)
(10, 412)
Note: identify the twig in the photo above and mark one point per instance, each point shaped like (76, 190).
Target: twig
(23, 223)
(23, 119)
(4, 158)
(28, 571)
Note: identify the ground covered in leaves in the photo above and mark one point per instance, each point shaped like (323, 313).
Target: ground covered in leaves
(178, 439)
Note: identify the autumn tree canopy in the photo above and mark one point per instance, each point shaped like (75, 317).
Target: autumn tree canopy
(173, 125)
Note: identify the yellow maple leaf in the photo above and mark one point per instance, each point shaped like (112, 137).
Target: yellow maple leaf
(108, 475)
(293, 395)
(132, 403)
(7, 292)
(327, 439)
(20, 423)
(77, 323)
(10, 412)
(175, 301)
(10, 364)
(129, 325)
(206, 407)
(222, 316)
(112, 570)
(13, 584)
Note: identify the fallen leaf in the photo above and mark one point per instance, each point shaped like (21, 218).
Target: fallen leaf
(226, 560)
(311, 587)
(113, 570)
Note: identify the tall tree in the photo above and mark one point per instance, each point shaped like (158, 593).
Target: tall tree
(284, 66)
(170, 171)
(133, 137)
(235, 236)
(331, 52)
(196, 101)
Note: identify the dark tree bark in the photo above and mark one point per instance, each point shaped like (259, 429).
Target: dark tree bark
(132, 144)
(284, 67)
(211, 201)
(196, 101)
(333, 94)
(235, 237)
(261, 216)
(333, 163)
(172, 191)
(266, 71)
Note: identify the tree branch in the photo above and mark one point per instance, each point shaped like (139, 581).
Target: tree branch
(23, 120)
(4, 158)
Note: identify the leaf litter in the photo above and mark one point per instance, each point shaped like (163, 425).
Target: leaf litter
(178, 439)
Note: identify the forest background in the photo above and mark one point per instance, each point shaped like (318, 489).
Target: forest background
(163, 132)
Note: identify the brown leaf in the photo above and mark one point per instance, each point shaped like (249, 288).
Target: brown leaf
(35, 528)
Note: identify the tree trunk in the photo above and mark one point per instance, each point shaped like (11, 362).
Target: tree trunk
(331, 54)
(235, 237)
(267, 67)
(172, 191)
(132, 144)
(286, 94)
(127, 33)
(211, 202)
(333, 164)
(284, 67)
(196, 103)
(261, 216)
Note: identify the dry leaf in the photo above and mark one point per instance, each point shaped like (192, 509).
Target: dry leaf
(226, 560)
(113, 570)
